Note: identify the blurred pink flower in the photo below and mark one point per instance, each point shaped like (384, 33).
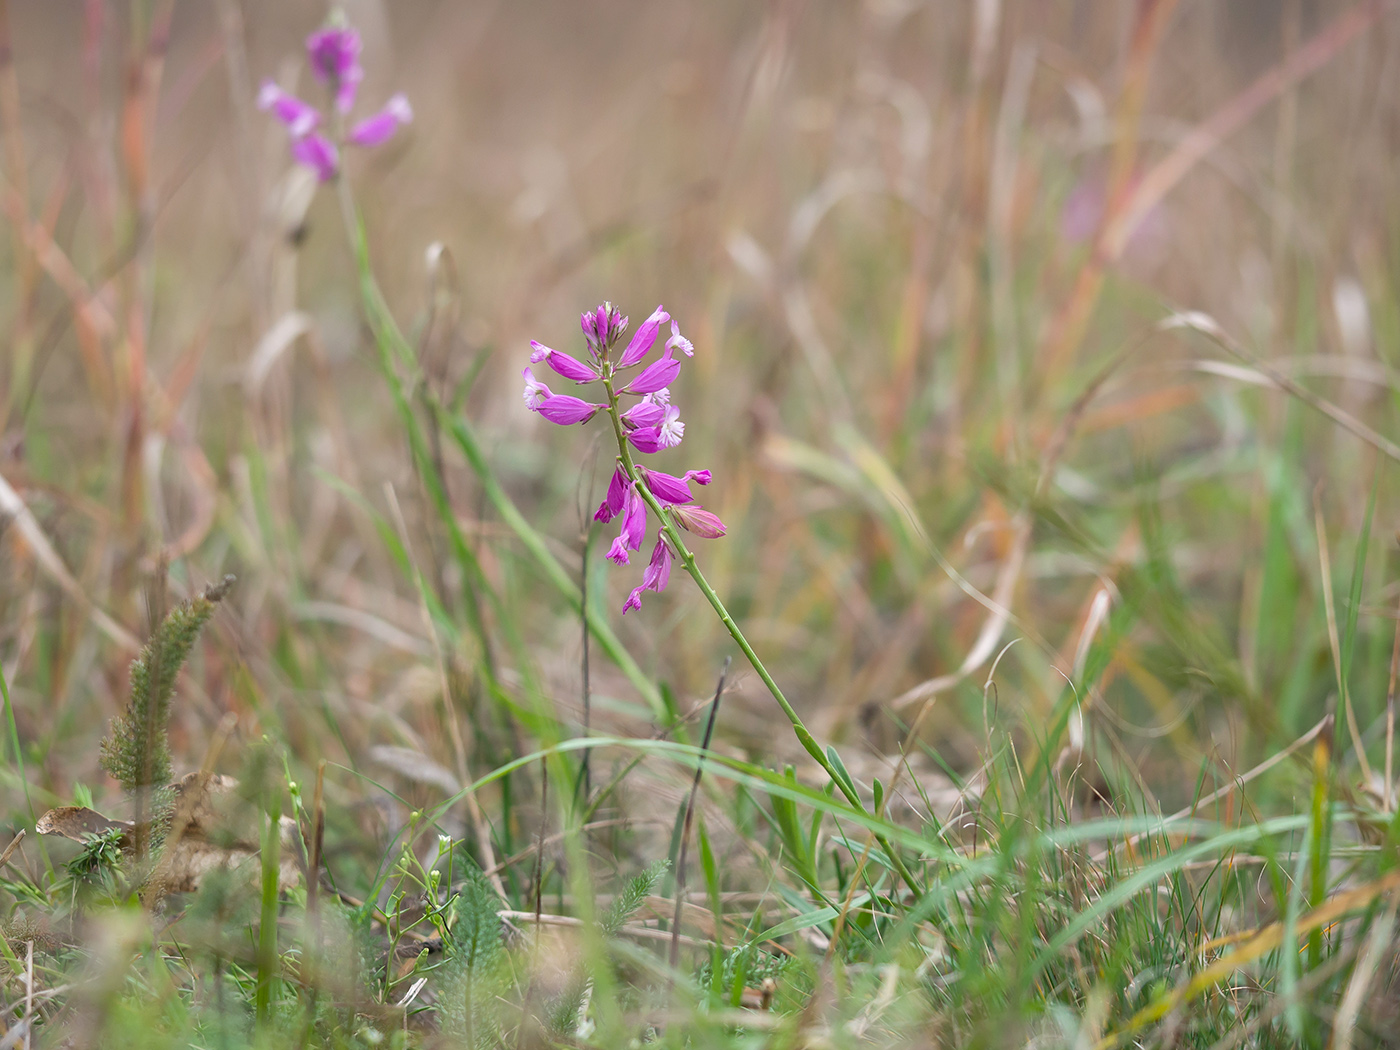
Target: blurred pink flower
(380, 128)
(334, 54)
(1082, 213)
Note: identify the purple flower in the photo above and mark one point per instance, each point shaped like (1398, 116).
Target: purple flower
(300, 117)
(335, 60)
(380, 128)
(644, 337)
(535, 391)
(668, 488)
(671, 430)
(656, 575)
(318, 153)
(602, 327)
(679, 342)
(566, 366)
(698, 520)
(646, 439)
(658, 374)
(566, 410)
(651, 424)
(644, 414)
(617, 493)
(557, 408)
(634, 526)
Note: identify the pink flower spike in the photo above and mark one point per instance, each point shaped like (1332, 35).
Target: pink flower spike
(318, 153)
(378, 129)
(645, 336)
(566, 366)
(644, 414)
(700, 477)
(535, 391)
(666, 487)
(300, 117)
(698, 520)
(567, 410)
(671, 430)
(679, 342)
(612, 503)
(654, 376)
(646, 439)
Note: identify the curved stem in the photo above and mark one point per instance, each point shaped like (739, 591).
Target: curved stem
(687, 560)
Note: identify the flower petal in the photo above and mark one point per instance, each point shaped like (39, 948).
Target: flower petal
(318, 153)
(612, 503)
(698, 520)
(654, 376)
(566, 410)
(671, 430)
(378, 129)
(566, 366)
(679, 342)
(666, 487)
(658, 572)
(634, 519)
(535, 391)
(644, 337)
(646, 439)
(301, 118)
(654, 578)
(644, 414)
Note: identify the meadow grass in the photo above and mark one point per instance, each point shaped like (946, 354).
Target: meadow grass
(1040, 693)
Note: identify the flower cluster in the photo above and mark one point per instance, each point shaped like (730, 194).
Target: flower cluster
(334, 53)
(648, 426)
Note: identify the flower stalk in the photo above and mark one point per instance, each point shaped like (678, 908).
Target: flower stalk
(669, 513)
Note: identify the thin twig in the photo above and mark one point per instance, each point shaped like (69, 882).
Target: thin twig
(689, 816)
(459, 747)
(10, 849)
(1211, 329)
(539, 853)
(1332, 637)
(318, 834)
(1390, 721)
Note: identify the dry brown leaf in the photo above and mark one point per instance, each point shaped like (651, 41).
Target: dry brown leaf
(78, 822)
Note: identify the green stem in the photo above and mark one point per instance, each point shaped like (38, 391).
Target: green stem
(687, 560)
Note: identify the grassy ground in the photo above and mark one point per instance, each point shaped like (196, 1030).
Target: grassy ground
(1047, 358)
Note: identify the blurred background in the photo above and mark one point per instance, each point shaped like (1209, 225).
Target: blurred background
(922, 250)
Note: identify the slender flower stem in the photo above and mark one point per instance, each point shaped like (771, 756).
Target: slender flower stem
(687, 560)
